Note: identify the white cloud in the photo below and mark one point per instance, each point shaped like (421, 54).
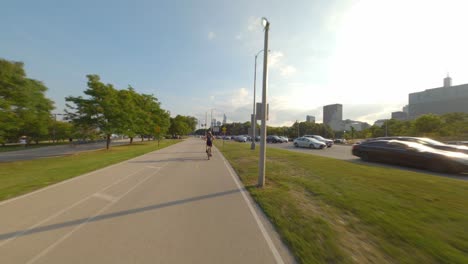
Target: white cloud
(287, 70)
(254, 23)
(274, 60)
(211, 35)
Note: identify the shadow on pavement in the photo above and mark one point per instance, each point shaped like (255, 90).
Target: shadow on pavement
(201, 158)
(46, 228)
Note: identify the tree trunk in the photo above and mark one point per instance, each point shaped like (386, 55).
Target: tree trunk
(131, 140)
(108, 139)
(142, 138)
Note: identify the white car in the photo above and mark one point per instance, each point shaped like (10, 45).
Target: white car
(309, 143)
(240, 138)
(328, 142)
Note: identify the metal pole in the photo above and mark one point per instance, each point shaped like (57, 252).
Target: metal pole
(386, 128)
(55, 124)
(211, 122)
(297, 128)
(261, 165)
(254, 118)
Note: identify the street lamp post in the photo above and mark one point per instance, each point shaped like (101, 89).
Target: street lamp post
(254, 118)
(261, 165)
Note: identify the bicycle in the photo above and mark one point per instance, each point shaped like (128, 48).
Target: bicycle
(208, 152)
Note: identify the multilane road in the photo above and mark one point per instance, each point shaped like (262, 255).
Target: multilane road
(343, 152)
(54, 151)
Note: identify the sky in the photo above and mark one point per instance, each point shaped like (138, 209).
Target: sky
(198, 57)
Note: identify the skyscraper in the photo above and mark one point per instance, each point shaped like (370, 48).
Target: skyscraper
(333, 116)
(310, 118)
(442, 100)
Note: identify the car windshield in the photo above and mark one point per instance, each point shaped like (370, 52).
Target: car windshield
(319, 137)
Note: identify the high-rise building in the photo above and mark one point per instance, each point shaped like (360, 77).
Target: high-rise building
(310, 119)
(440, 100)
(224, 119)
(333, 116)
(400, 115)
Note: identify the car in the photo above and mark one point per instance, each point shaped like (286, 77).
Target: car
(309, 143)
(273, 139)
(428, 142)
(329, 142)
(284, 139)
(411, 154)
(339, 141)
(240, 138)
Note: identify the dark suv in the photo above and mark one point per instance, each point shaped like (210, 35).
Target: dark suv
(273, 139)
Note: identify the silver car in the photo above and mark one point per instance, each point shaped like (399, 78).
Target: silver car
(328, 142)
(306, 142)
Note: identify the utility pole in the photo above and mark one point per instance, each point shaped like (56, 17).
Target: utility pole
(263, 132)
(297, 128)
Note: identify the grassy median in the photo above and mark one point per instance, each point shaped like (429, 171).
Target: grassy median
(21, 177)
(333, 211)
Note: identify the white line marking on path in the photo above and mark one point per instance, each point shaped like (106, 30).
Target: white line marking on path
(63, 238)
(105, 197)
(66, 209)
(153, 167)
(265, 234)
(67, 181)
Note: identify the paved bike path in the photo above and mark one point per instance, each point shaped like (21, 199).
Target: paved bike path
(168, 206)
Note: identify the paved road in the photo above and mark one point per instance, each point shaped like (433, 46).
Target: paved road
(343, 152)
(53, 151)
(168, 206)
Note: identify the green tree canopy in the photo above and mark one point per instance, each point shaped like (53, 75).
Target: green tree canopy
(24, 109)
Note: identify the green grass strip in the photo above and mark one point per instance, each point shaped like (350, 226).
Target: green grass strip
(21, 177)
(334, 211)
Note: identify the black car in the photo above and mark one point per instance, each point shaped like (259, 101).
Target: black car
(411, 154)
(273, 139)
(428, 142)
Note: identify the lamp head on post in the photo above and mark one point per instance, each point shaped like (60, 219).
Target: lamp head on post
(265, 23)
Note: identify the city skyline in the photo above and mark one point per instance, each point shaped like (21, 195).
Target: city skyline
(366, 55)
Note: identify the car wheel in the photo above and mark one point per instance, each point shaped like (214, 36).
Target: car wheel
(311, 146)
(295, 145)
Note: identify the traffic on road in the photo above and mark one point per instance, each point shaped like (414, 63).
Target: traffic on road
(407, 153)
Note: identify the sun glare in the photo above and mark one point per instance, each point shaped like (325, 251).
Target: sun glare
(387, 49)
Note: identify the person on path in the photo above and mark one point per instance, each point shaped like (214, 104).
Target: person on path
(209, 143)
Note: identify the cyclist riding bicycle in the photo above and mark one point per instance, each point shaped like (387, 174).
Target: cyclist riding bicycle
(209, 143)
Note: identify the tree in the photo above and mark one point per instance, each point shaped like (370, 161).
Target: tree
(427, 124)
(24, 109)
(182, 125)
(101, 110)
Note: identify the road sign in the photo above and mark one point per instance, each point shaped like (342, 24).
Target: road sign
(224, 130)
(258, 114)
